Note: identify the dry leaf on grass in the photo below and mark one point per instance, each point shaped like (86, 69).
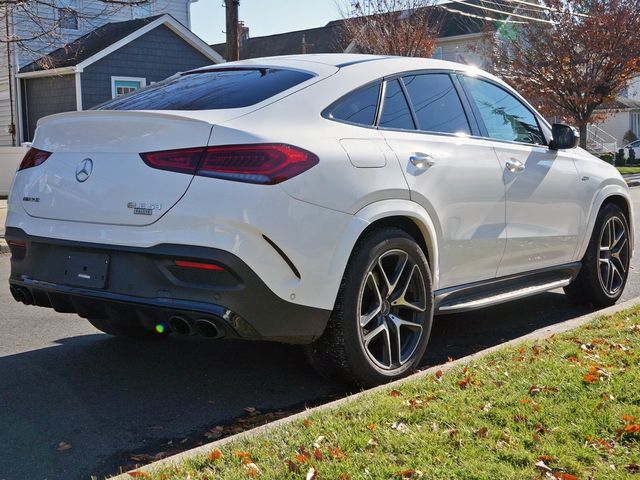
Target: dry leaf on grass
(62, 446)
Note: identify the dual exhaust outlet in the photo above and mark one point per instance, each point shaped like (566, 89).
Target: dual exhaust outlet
(203, 327)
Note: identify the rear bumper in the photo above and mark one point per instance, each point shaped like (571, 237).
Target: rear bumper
(143, 285)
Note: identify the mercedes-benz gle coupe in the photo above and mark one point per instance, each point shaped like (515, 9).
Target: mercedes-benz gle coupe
(335, 201)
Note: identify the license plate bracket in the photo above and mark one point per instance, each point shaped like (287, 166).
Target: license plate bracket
(84, 269)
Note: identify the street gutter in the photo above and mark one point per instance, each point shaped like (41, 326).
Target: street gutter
(539, 334)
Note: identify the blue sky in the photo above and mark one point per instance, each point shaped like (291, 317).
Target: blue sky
(263, 17)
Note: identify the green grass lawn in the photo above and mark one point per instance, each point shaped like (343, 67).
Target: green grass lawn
(567, 407)
(628, 170)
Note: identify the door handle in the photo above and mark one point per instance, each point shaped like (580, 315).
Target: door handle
(421, 161)
(514, 166)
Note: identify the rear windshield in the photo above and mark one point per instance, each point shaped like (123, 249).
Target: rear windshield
(209, 90)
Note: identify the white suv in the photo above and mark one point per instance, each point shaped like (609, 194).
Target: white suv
(336, 201)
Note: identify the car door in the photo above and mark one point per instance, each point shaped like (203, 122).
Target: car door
(543, 201)
(451, 172)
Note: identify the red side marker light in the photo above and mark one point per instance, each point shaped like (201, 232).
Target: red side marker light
(199, 265)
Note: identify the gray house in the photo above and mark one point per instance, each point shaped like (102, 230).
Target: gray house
(114, 59)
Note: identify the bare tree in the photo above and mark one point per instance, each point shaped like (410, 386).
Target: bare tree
(35, 27)
(393, 27)
(573, 56)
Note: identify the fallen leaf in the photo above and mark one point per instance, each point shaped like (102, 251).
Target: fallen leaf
(317, 454)
(306, 422)
(372, 426)
(394, 393)
(214, 455)
(251, 469)
(482, 433)
(633, 468)
(319, 441)
(372, 443)
(628, 418)
(564, 476)
(542, 466)
(62, 446)
(409, 473)
(439, 374)
(336, 453)
(292, 466)
(138, 474)
(250, 410)
(546, 458)
(311, 474)
(399, 426)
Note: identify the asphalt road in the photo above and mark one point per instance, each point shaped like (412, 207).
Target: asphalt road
(63, 381)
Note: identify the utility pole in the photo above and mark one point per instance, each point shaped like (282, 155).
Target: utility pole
(233, 43)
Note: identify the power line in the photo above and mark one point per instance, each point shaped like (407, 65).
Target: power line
(503, 12)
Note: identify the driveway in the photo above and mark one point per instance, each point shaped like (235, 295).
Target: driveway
(106, 398)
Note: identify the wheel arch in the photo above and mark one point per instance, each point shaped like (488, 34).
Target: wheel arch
(409, 217)
(610, 194)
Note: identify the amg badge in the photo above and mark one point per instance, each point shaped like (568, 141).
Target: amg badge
(144, 208)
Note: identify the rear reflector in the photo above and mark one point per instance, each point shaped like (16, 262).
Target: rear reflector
(199, 265)
(266, 164)
(33, 158)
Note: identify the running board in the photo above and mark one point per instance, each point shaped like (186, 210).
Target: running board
(505, 289)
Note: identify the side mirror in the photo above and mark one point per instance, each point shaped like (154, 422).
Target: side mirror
(564, 137)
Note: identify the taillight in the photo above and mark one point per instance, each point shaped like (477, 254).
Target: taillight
(185, 160)
(33, 158)
(266, 164)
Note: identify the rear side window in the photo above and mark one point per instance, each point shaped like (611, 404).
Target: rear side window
(358, 107)
(395, 109)
(210, 90)
(436, 104)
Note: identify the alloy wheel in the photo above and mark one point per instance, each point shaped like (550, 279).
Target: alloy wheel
(613, 256)
(392, 306)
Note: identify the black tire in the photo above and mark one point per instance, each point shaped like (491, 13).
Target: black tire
(589, 288)
(340, 353)
(131, 330)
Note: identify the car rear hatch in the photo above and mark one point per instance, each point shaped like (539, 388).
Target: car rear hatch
(96, 174)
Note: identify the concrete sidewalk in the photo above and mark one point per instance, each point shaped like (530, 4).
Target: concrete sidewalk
(3, 216)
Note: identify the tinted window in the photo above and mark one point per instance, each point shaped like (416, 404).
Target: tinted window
(359, 106)
(210, 90)
(395, 110)
(436, 104)
(505, 117)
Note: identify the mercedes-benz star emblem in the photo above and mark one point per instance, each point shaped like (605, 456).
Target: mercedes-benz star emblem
(84, 169)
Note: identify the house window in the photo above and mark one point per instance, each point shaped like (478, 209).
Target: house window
(437, 53)
(635, 123)
(123, 85)
(142, 10)
(67, 14)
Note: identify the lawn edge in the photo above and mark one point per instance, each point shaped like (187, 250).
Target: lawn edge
(539, 334)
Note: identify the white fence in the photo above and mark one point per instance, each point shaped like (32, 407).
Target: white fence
(9, 160)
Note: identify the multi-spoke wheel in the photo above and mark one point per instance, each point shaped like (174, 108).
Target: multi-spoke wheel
(391, 303)
(382, 319)
(614, 256)
(605, 266)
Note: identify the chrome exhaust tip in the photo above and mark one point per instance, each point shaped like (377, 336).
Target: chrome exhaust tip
(180, 325)
(207, 328)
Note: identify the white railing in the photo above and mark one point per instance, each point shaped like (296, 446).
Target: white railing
(600, 141)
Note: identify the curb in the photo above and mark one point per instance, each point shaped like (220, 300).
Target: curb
(539, 334)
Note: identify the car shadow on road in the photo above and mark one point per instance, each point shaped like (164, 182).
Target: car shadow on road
(109, 397)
